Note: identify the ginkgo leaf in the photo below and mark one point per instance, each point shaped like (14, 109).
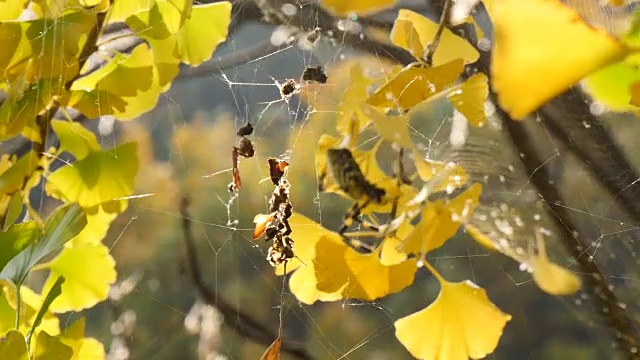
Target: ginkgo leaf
(125, 75)
(439, 221)
(526, 69)
(356, 7)
(415, 84)
(391, 128)
(304, 285)
(449, 176)
(390, 249)
(89, 271)
(635, 94)
(98, 178)
(11, 10)
(552, 278)
(14, 346)
(203, 32)
(306, 233)
(351, 107)
(99, 218)
(83, 347)
(48, 347)
(30, 303)
(163, 19)
(612, 85)
(358, 276)
(15, 239)
(461, 323)
(469, 98)
(75, 138)
(450, 48)
(480, 237)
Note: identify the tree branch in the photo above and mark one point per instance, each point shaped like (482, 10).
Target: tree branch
(240, 322)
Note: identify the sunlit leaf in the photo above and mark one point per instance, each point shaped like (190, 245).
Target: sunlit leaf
(449, 176)
(461, 323)
(75, 138)
(469, 98)
(359, 276)
(124, 76)
(635, 94)
(64, 223)
(356, 7)
(391, 128)
(351, 107)
(203, 32)
(273, 351)
(550, 277)
(526, 67)
(48, 347)
(612, 86)
(163, 19)
(89, 271)
(15, 239)
(439, 221)
(98, 178)
(30, 305)
(451, 46)
(14, 346)
(480, 237)
(11, 10)
(391, 252)
(83, 347)
(415, 84)
(99, 217)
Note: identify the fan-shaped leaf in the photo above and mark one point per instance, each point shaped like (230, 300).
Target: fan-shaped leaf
(99, 217)
(83, 347)
(48, 347)
(552, 278)
(451, 46)
(203, 32)
(526, 68)
(98, 178)
(14, 346)
(89, 271)
(75, 138)
(358, 276)
(461, 323)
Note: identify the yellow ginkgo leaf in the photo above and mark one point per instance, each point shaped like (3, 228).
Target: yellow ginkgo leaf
(451, 46)
(469, 98)
(83, 347)
(403, 34)
(461, 323)
(450, 176)
(99, 217)
(50, 347)
(351, 107)
(391, 128)
(98, 178)
(304, 285)
(552, 278)
(613, 85)
(440, 220)
(635, 94)
(415, 84)
(75, 138)
(203, 32)
(391, 252)
(356, 7)
(30, 304)
(11, 10)
(526, 69)
(89, 271)
(306, 234)
(356, 275)
(14, 346)
(480, 237)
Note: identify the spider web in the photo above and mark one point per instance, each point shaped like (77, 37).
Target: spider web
(186, 142)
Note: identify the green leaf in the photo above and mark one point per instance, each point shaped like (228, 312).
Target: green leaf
(89, 271)
(12, 179)
(53, 293)
(14, 210)
(75, 138)
(203, 32)
(125, 76)
(49, 347)
(13, 346)
(64, 223)
(15, 239)
(98, 178)
(612, 85)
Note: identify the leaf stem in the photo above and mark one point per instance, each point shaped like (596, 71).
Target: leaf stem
(444, 22)
(433, 270)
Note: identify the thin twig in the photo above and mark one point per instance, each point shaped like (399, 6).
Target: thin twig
(237, 320)
(444, 23)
